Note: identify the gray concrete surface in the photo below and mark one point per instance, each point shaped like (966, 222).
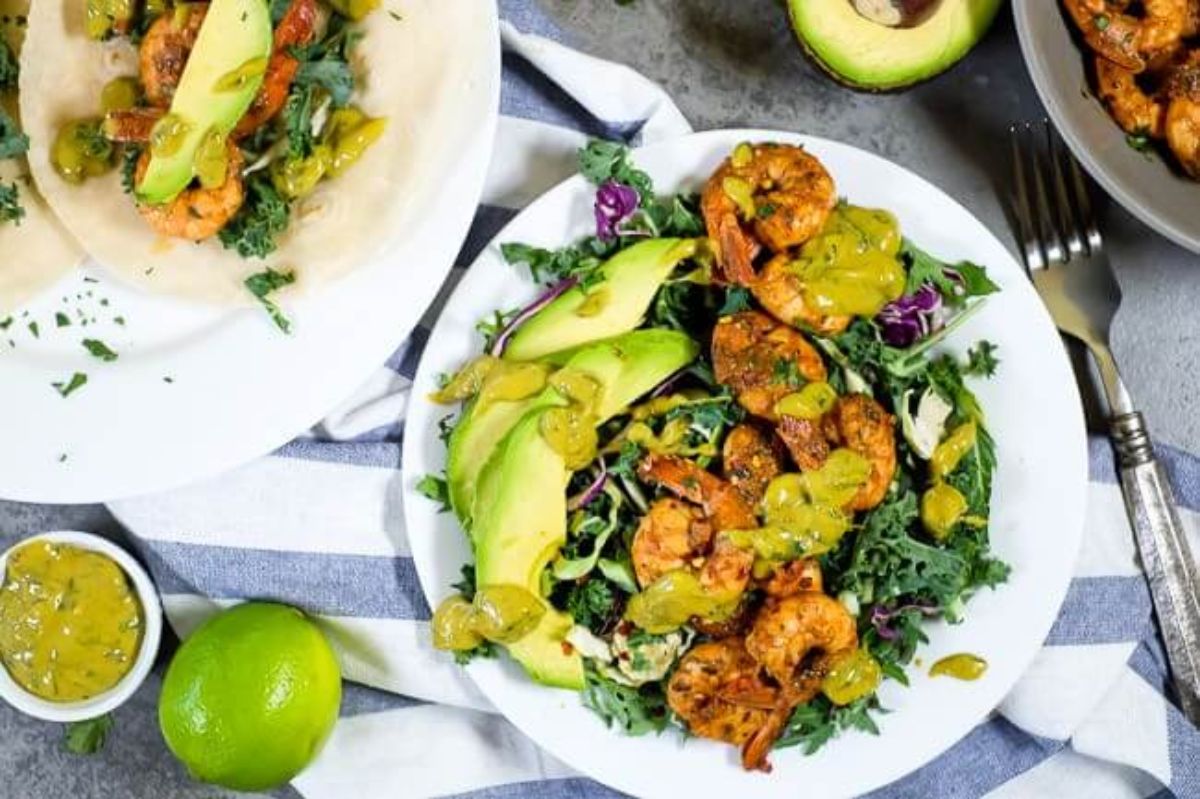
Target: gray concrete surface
(733, 63)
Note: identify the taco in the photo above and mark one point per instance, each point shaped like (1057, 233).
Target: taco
(190, 146)
(35, 251)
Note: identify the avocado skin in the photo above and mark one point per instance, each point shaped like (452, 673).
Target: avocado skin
(626, 367)
(630, 279)
(992, 7)
(519, 503)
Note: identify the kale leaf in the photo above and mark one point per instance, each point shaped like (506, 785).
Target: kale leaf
(634, 711)
(264, 215)
(265, 283)
(601, 161)
(12, 141)
(10, 204)
(9, 67)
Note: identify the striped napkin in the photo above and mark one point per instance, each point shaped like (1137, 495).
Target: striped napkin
(319, 524)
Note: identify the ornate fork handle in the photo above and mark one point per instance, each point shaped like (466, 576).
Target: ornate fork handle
(1166, 556)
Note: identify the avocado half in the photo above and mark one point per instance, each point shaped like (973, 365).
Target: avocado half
(866, 55)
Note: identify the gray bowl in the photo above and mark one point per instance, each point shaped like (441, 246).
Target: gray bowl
(1141, 182)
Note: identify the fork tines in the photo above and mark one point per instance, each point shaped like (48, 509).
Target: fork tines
(1053, 204)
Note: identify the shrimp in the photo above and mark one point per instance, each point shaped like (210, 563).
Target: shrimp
(798, 638)
(751, 458)
(861, 424)
(1182, 122)
(719, 692)
(791, 195)
(295, 29)
(763, 360)
(131, 125)
(1127, 40)
(779, 289)
(794, 577)
(196, 213)
(165, 50)
(675, 535)
(1137, 112)
(805, 441)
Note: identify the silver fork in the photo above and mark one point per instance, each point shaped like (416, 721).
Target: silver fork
(1064, 256)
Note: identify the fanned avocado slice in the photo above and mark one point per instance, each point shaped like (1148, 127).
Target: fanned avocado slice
(222, 77)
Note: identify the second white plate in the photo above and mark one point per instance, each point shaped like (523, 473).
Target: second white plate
(1038, 502)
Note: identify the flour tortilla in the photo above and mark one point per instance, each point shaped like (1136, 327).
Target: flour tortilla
(416, 60)
(37, 252)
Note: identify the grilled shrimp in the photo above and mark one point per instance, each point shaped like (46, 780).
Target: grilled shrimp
(798, 638)
(719, 692)
(165, 50)
(861, 424)
(805, 441)
(764, 194)
(1182, 124)
(197, 212)
(794, 577)
(296, 28)
(762, 360)
(1131, 107)
(751, 458)
(1126, 40)
(675, 535)
(779, 289)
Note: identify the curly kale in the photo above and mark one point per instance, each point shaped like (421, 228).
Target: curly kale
(263, 217)
(10, 204)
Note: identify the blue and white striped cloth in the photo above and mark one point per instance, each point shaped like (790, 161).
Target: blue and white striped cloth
(319, 524)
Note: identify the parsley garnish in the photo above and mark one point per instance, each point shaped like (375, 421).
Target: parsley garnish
(981, 360)
(263, 284)
(98, 349)
(77, 381)
(87, 737)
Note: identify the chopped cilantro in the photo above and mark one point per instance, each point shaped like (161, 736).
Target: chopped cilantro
(98, 349)
(265, 283)
(87, 737)
(77, 381)
(34, 330)
(61, 319)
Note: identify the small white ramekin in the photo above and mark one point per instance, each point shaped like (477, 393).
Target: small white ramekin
(98, 705)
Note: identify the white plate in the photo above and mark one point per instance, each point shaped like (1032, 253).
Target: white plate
(1038, 501)
(238, 387)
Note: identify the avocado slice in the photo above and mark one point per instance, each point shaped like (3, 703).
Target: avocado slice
(222, 77)
(614, 305)
(523, 488)
(864, 54)
(626, 368)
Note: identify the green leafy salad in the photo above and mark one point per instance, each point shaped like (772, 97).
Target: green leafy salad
(720, 475)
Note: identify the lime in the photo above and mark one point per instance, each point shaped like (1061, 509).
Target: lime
(250, 697)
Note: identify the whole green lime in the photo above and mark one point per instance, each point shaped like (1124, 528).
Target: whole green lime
(250, 697)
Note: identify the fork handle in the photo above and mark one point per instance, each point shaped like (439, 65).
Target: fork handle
(1166, 556)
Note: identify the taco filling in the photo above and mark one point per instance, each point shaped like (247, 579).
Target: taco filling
(238, 110)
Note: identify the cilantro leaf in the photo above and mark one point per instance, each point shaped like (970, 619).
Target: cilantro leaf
(87, 737)
(260, 220)
(98, 349)
(263, 284)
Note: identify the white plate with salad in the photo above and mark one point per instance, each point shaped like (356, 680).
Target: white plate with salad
(268, 212)
(743, 462)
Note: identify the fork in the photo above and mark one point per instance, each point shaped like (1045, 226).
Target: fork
(1064, 257)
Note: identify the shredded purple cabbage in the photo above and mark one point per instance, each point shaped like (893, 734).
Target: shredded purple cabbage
(585, 497)
(615, 203)
(881, 618)
(523, 315)
(909, 319)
